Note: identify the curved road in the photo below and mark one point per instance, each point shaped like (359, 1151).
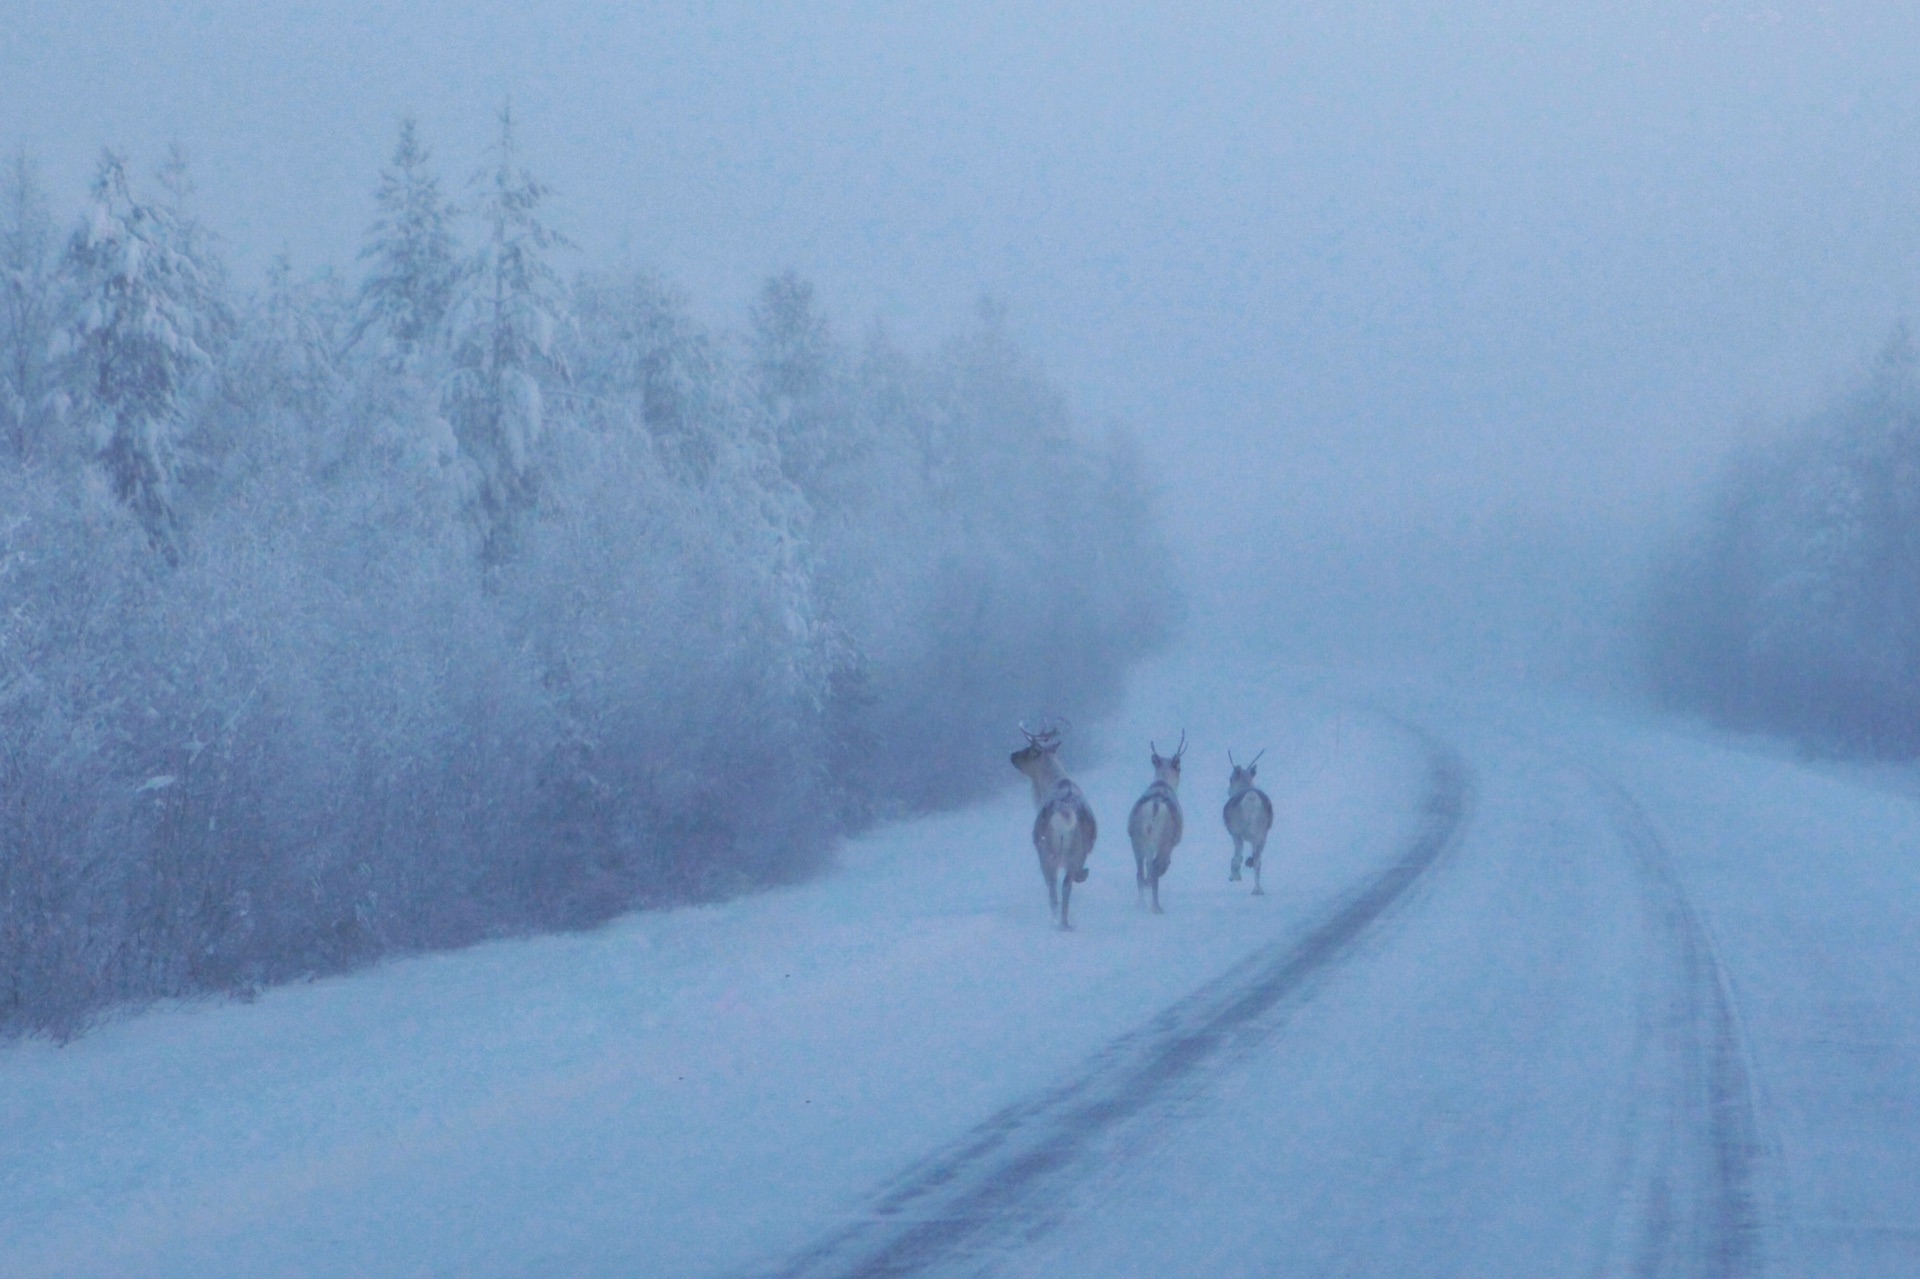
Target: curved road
(1004, 1180)
(1541, 1068)
(1540, 990)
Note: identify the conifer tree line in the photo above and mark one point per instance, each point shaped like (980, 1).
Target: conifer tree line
(1793, 605)
(467, 593)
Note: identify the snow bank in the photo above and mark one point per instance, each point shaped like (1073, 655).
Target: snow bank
(684, 1092)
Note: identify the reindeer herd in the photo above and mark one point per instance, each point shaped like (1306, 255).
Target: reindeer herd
(1064, 828)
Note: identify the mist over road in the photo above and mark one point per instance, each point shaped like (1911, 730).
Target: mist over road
(1535, 1070)
(1005, 1179)
(471, 471)
(1539, 990)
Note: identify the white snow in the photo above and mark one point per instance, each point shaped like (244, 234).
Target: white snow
(1479, 1088)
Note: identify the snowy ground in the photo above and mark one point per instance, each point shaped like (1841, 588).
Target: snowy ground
(1536, 991)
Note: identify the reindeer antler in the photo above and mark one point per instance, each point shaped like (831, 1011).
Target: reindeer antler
(1181, 749)
(1049, 734)
(1256, 758)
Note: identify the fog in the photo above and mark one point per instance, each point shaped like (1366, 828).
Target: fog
(814, 390)
(1342, 267)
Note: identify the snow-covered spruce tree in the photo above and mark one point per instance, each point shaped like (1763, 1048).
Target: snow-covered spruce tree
(800, 387)
(411, 256)
(642, 362)
(797, 377)
(289, 355)
(986, 562)
(148, 322)
(393, 440)
(286, 406)
(28, 315)
(509, 309)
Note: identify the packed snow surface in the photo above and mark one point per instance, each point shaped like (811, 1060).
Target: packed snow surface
(1536, 990)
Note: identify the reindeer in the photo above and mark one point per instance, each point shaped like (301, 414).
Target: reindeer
(1063, 826)
(1249, 816)
(1155, 825)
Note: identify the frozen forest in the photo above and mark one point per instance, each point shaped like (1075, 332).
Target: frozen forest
(467, 593)
(1794, 605)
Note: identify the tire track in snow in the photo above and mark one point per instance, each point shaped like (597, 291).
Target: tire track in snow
(1691, 1184)
(993, 1184)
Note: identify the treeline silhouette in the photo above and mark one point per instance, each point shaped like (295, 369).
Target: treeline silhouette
(1794, 606)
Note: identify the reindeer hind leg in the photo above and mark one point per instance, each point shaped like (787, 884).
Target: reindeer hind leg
(1259, 847)
(1234, 873)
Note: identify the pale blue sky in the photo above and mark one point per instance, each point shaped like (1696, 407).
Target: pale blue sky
(1329, 259)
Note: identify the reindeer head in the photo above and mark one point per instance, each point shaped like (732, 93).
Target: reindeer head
(1166, 768)
(1037, 756)
(1243, 773)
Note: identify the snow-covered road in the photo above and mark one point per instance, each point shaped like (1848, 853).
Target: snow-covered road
(1011, 1179)
(1539, 990)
